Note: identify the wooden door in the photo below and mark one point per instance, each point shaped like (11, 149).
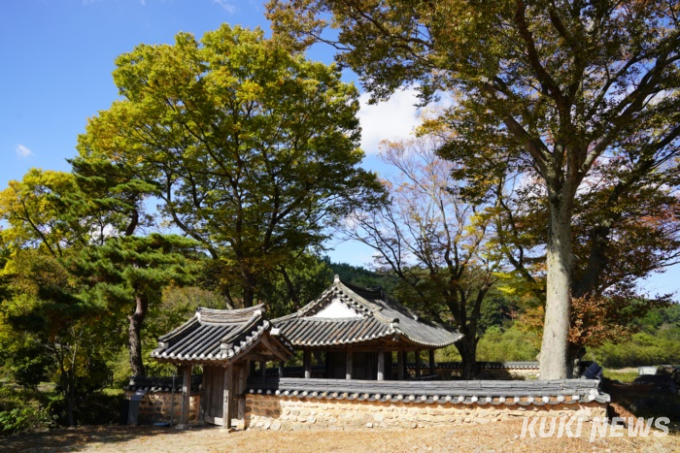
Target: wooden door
(213, 376)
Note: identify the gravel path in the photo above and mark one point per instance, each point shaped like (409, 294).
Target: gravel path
(496, 437)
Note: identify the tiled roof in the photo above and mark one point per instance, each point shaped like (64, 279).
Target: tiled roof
(216, 335)
(522, 393)
(377, 316)
(163, 384)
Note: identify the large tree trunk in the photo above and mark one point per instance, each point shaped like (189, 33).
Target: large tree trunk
(467, 348)
(135, 336)
(554, 347)
(249, 285)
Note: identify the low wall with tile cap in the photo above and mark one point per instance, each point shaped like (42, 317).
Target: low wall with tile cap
(271, 412)
(290, 403)
(155, 406)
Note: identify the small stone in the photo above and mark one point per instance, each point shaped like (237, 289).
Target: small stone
(369, 425)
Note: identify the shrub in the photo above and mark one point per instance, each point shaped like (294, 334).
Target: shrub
(643, 348)
(25, 419)
(30, 366)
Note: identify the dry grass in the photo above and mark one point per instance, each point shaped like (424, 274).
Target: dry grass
(496, 437)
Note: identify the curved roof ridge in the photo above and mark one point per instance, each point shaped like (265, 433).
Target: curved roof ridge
(224, 316)
(381, 316)
(356, 296)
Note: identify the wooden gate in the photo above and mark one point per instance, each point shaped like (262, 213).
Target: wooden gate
(213, 394)
(215, 381)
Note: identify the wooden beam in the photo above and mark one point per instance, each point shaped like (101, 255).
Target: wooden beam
(308, 363)
(381, 366)
(348, 365)
(255, 357)
(186, 395)
(280, 369)
(272, 345)
(433, 368)
(401, 365)
(263, 369)
(227, 394)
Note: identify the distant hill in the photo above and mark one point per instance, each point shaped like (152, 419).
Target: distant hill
(360, 276)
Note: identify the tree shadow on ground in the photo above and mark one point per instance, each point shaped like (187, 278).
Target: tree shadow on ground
(80, 438)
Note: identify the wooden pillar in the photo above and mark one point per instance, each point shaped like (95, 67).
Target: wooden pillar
(242, 385)
(186, 394)
(263, 369)
(381, 366)
(227, 393)
(348, 365)
(401, 365)
(280, 369)
(206, 391)
(389, 374)
(433, 369)
(417, 354)
(308, 363)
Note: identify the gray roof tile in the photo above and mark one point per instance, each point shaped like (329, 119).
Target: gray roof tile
(216, 335)
(380, 317)
(524, 393)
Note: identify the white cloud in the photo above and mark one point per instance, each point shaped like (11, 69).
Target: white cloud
(226, 5)
(23, 151)
(394, 119)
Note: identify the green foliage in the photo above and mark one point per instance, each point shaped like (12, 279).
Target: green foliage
(22, 420)
(620, 375)
(98, 408)
(24, 411)
(30, 365)
(510, 345)
(579, 100)
(658, 348)
(253, 149)
(360, 276)
(296, 285)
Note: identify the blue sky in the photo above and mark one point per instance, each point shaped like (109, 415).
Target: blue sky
(57, 61)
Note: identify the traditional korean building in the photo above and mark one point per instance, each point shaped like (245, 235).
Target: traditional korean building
(224, 343)
(360, 333)
(357, 334)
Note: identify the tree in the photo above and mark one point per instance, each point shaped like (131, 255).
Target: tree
(432, 241)
(253, 149)
(133, 271)
(86, 222)
(545, 88)
(644, 238)
(44, 311)
(296, 285)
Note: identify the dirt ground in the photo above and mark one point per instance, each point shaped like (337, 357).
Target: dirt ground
(496, 437)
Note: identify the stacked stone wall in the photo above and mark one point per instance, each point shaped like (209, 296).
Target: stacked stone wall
(292, 413)
(155, 407)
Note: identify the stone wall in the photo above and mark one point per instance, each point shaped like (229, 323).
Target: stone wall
(293, 413)
(155, 406)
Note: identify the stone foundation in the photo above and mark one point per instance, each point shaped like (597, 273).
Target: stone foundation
(155, 407)
(293, 413)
